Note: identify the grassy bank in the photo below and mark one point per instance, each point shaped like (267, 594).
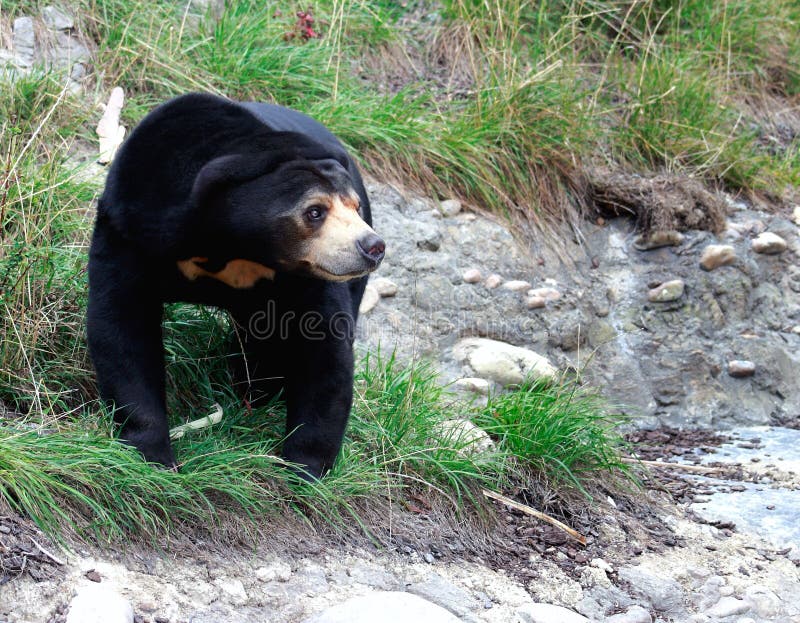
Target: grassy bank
(511, 106)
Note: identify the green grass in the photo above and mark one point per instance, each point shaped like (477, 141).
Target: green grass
(503, 104)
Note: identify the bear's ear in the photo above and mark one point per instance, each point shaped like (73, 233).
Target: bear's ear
(232, 169)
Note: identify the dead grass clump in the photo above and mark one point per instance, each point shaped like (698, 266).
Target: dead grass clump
(657, 202)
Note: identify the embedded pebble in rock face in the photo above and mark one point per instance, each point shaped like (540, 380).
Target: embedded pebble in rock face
(387, 607)
(451, 207)
(96, 603)
(516, 285)
(501, 362)
(535, 302)
(666, 292)
(472, 384)
(472, 275)
(385, 287)
(492, 281)
(658, 239)
(728, 607)
(634, 614)
(427, 236)
(548, 294)
(716, 255)
(769, 243)
(739, 368)
(548, 613)
(369, 300)
(464, 435)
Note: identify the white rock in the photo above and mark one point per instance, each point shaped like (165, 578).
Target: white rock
(465, 436)
(516, 285)
(535, 302)
(763, 601)
(386, 607)
(472, 275)
(666, 292)
(385, 287)
(727, 607)
(716, 255)
(492, 281)
(96, 603)
(599, 563)
(450, 207)
(796, 329)
(548, 294)
(634, 614)
(369, 300)
(796, 215)
(109, 132)
(548, 613)
(501, 362)
(278, 571)
(473, 384)
(769, 243)
(233, 589)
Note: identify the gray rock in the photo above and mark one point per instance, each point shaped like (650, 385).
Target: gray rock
(57, 19)
(386, 607)
(383, 286)
(634, 614)
(23, 42)
(763, 601)
(501, 362)
(446, 594)
(739, 368)
(662, 592)
(666, 292)
(464, 436)
(728, 607)
(450, 207)
(769, 243)
(96, 603)
(548, 613)
(371, 575)
(473, 384)
(428, 236)
(716, 255)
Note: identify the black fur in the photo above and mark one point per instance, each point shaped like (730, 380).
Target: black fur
(201, 176)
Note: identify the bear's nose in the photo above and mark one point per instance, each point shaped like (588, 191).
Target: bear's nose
(372, 247)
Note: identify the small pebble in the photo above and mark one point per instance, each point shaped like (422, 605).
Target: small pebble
(716, 255)
(739, 368)
(548, 294)
(472, 275)
(451, 207)
(769, 243)
(535, 302)
(492, 281)
(385, 287)
(516, 285)
(369, 300)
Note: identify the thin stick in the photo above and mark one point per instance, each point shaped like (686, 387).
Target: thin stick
(534, 513)
(681, 466)
(51, 556)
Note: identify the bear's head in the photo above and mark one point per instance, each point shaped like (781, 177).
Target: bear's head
(294, 209)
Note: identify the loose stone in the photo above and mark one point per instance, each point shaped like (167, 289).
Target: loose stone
(385, 287)
(666, 292)
(492, 281)
(716, 255)
(535, 302)
(548, 294)
(658, 239)
(369, 300)
(472, 384)
(769, 243)
(516, 285)
(728, 607)
(471, 275)
(740, 368)
(451, 207)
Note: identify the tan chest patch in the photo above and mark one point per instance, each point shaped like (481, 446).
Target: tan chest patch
(236, 273)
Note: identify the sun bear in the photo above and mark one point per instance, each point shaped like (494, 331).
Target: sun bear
(249, 207)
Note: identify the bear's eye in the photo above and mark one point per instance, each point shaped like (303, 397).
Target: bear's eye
(315, 213)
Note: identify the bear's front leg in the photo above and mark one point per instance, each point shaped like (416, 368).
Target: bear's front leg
(319, 395)
(125, 343)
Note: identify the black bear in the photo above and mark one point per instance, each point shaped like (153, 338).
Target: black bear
(254, 208)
